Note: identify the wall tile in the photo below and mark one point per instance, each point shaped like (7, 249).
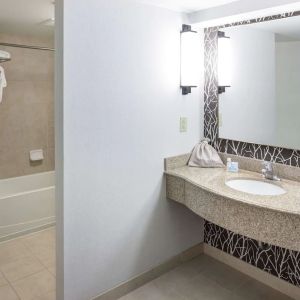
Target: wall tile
(27, 109)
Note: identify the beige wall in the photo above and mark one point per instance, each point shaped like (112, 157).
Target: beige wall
(27, 108)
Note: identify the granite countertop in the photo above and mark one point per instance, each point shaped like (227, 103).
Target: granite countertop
(213, 180)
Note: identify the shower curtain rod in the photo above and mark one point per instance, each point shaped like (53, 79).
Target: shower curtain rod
(27, 47)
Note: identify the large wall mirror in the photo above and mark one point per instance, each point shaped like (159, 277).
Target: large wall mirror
(261, 63)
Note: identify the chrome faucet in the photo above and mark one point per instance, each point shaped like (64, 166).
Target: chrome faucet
(268, 171)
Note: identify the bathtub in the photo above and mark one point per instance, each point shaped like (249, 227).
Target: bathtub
(27, 204)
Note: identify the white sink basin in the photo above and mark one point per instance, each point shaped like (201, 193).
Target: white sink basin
(255, 187)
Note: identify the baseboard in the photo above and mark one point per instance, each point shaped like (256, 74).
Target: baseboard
(27, 231)
(138, 281)
(260, 275)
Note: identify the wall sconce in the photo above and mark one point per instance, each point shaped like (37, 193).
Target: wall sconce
(224, 62)
(188, 56)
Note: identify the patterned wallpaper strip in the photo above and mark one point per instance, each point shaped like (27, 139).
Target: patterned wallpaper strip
(280, 262)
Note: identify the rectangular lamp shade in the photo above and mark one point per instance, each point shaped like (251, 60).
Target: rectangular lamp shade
(189, 54)
(224, 62)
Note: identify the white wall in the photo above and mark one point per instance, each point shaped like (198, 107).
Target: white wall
(288, 91)
(122, 105)
(248, 107)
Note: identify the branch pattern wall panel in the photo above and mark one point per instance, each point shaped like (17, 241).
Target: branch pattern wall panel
(280, 262)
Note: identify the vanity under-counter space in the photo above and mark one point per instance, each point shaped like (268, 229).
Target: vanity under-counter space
(269, 219)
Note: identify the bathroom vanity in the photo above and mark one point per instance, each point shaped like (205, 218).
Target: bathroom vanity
(272, 219)
(251, 107)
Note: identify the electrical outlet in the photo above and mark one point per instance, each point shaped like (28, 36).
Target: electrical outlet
(183, 124)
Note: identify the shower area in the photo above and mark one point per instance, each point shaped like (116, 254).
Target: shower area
(27, 166)
(26, 135)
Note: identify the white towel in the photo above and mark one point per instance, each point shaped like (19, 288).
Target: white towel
(3, 82)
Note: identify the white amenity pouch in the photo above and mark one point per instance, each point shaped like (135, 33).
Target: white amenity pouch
(205, 156)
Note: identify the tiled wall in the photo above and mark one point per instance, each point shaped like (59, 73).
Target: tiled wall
(27, 108)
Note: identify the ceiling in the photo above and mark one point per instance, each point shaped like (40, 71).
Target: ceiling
(33, 15)
(26, 15)
(188, 6)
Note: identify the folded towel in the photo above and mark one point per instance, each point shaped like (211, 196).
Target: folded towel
(4, 55)
(205, 156)
(3, 82)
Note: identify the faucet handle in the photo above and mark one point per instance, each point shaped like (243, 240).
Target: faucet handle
(268, 171)
(268, 166)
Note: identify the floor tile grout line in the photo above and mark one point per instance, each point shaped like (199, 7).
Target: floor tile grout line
(51, 272)
(36, 257)
(43, 264)
(9, 283)
(230, 289)
(248, 279)
(32, 254)
(241, 285)
(15, 281)
(27, 277)
(216, 283)
(3, 277)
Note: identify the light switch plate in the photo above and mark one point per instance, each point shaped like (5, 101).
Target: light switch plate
(220, 120)
(183, 124)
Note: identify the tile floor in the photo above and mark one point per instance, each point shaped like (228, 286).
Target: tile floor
(27, 267)
(204, 279)
(27, 272)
